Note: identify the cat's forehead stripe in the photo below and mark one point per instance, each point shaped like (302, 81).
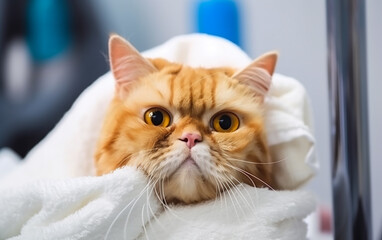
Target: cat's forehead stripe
(181, 93)
(187, 100)
(191, 92)
(201, 96)
(213, 89)
(172, 78)
(191, 101)
(160, 93)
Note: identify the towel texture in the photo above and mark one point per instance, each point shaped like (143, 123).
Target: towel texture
(120, 206)
(68, 203)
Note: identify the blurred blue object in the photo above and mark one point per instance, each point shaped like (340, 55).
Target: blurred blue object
(219, 18)
(48, 28)
(50, 51)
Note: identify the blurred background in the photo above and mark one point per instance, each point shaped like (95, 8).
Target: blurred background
(50, 50)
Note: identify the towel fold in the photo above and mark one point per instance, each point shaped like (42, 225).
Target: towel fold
(120, 205)
(78, 208)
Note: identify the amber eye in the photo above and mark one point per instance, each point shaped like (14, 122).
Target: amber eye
(225, 122)
(157, 117)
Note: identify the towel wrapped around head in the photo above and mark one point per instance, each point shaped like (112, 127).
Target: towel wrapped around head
(59, 207)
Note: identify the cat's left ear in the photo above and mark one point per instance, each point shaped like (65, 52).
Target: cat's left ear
(127, 64)
(258, 74)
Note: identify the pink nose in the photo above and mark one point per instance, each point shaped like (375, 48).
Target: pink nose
(191, 139)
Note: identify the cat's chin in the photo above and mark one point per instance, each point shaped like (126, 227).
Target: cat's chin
(187, 185)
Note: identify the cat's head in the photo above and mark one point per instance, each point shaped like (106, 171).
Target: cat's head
(194, 131)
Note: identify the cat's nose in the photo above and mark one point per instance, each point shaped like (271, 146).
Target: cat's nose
(191, 139)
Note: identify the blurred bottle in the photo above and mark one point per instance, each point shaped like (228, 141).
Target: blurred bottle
(50, 58)
(219, 18)
(41, 61)
(48, 28)
(49, 37)
(17, 71)
(38, 74)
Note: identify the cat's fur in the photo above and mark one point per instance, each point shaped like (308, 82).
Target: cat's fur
(192, 96)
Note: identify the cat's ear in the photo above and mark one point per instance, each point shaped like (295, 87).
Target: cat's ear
(258, 74)
(127, 64)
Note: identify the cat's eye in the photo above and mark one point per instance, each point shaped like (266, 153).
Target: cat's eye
(157, 117)
(225, 122)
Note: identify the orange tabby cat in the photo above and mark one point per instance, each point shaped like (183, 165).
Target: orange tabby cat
(195, 132)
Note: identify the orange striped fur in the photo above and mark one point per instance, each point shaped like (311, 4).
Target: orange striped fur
(192, 96)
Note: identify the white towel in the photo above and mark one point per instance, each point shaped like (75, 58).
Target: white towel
(73, 206)
(119, 206)
(79, 208)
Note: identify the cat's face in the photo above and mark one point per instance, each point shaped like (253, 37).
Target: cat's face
(195, 132)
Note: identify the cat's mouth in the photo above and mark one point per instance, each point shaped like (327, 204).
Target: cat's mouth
(189, 161)
(188, 164)
(187, 184)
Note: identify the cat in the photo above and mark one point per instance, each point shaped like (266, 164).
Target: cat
(195, 132)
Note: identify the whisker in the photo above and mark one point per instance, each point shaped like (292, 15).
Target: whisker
(256, 163)
(229, 184)
(252, 206)
(230, 188)
(143, 222)
(154, 215)
(120, 213)
(246, 172)
(131, 210)
(139, 196)
(226, 186)
(217, 189)
(166, 205)
(225, 189)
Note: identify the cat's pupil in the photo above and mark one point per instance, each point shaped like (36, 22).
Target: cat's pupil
(157, 118)
(225, 122)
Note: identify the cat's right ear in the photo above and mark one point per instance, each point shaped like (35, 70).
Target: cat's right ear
(127, 64)
(258, 74)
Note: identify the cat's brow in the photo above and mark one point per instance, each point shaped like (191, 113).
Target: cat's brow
(213, 89)
(171, 99)
(193, 92)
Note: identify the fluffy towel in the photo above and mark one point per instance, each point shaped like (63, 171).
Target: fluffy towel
(68, 150)
(59, 207)
(120, 206)
(79, 208)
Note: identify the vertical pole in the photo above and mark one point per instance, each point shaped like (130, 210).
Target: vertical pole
(349, 119)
